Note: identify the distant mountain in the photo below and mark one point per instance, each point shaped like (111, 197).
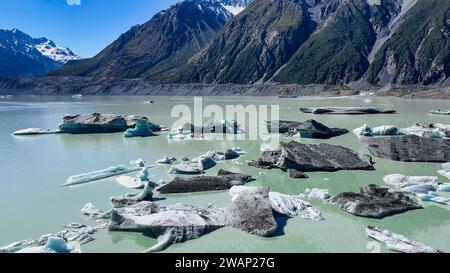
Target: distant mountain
(22, 55)
(253, 45)
(304, 42)
(165, 42)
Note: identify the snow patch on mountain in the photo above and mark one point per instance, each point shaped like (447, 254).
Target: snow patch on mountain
(235, 10)
(56, 52)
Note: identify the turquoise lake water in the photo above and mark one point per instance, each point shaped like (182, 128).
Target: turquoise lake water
(31, 168)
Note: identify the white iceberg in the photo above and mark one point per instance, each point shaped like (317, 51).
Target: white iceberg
(137, 182)
(444, 187)
(432, 131)
(317, 193)
(445, 170)
(197, 166)
(16, 246)
(53, 245)
(74, 232)
(402, 181)
(398, 242)
(34, 131)
(130, 182)
(423, 187)
(289, 205)
(101, 174)
(90, 210)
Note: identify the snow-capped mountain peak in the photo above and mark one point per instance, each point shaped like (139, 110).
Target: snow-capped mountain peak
(55, 52)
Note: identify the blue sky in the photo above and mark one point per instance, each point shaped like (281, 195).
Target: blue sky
(86, 28)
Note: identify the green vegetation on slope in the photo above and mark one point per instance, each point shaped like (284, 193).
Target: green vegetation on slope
(252, 46)
(419, 51)
(336, 52)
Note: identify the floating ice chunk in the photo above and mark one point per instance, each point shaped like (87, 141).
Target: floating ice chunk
(441, 200)
(420, 188)
(73, 232)
(34, 131)
(385, 130)
(317, 193)
(431, 131)
(130, 182)
(398, 242)
(239, 150)
(196, 166)
(135, 182)
(186, 168)
(446, 167)
(16, 246)
(444, 187)
(289, 205)
(166, 160)
(53, 245)
(90, 210)
(445, 170)
(367, 101)
(141, 129)
(101, 174)
(402, 181)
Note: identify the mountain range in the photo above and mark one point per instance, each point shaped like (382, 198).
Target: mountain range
(334, 42)
(22, 55)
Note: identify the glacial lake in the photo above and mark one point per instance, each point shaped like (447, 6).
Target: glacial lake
(31, 168)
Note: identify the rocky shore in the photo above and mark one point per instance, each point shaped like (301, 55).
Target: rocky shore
(64, 86)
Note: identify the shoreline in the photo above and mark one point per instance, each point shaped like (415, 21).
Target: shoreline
(67, 86)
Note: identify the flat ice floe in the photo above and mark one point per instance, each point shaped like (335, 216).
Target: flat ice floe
(398, 242)
(101, 174)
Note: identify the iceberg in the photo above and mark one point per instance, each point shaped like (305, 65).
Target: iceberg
(402, 181)
(166, 160)
(90, 210)
(137, 182)
(101, 174)
(130, 199)
(229, 154)
(141, 129)
(430, 131)
(386, 130)
(189, 130)
(130, 182)
(423, 187)
(398, 242)
(53, 245)
(440, 112)
(34, 131)
(186, 168)
(317, 193)
(445, 170)
(16, 246)
(288, 205)
(253, 210)
(444, 187)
